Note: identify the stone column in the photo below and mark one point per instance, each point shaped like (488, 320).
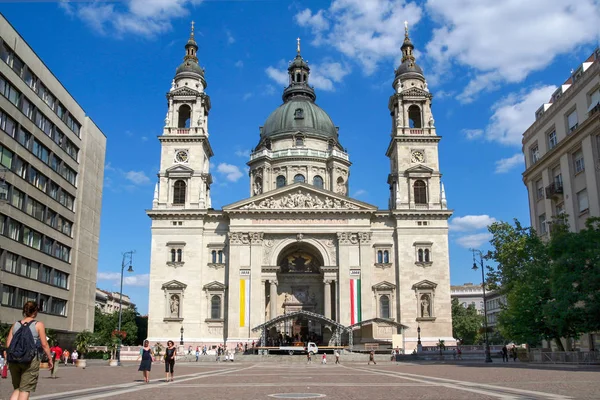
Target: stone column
(273, 296)
(327, 302)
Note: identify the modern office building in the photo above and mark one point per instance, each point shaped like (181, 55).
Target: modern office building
(108, 302)
(562, 149)
(297, 258)
(52, 159)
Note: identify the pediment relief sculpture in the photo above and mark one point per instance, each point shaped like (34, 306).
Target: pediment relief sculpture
(301, 200)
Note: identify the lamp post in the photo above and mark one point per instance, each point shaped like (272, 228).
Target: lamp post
(488, 357)
(181, 339)
(419, 345)
(126, 255)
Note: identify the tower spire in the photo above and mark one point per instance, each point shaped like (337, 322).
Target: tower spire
(407, 47)
(191, 47)
(298, 72)
(298, 49)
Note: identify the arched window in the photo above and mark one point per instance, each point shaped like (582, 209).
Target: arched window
(318, 182)
(220, 257)
(280, 181)
(414, 116)
(297, 77)
(299, 141)
(426, 255)
(379, 256)
(215, 307)
(386, 256)
(384, 306)
(299, 178)
(214, 256)
(420, 192)
(179, 192)
(268, 144)
(179, 255)
(420, 255)
(173, 255)
(184, 116)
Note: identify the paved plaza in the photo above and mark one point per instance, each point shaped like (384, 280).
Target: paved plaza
(290, 378)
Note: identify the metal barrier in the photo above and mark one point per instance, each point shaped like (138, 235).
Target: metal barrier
(564, 357)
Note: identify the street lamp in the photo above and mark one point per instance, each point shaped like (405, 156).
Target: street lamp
(126, 255)
(488, 357)
(181, 339)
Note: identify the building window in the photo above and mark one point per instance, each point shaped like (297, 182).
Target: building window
(299, 113)
(299, 141)
(382, 255)
(560, 208)
(179, 193)
(184, 113)
(539, 189)
(384, 307)
(280, 181)
(414, 117)
(552, 141)
(594, 99)
(542, 224)
(318, 182)
(9, 296)
(578, 161)
(582, 200)
(299, 178)
(214, 256)
(215, 307)
(535, 154)
(572, 121)
(173, 255)
(420, 190)
(179, 255)
(423, 253)
(58, 307)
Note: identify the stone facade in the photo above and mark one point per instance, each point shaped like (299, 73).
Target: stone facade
(298, 242)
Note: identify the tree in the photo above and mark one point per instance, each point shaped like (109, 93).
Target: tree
(466, 323)
(83, 340)
(105, 324)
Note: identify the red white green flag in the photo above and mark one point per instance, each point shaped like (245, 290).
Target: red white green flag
(355, 314)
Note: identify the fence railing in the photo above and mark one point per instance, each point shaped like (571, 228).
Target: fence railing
(564, 357)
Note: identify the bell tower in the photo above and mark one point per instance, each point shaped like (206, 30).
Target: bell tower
(414, 179)
(184, 176)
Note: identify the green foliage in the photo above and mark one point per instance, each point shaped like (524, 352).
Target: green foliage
(83, 340)
(158, 348)
(4, 329)
(105, 324)
(466, 323)
(552, 287)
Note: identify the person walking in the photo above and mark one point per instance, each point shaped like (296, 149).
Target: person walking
(56, 352)
(74, 357)
(337, 356)
(371, 358)
(24, 339)
(204, 353)
(513, 353)
(324, 359)
(66, 356)
(170, 354)
(504, 354)
(147, 356)
(309, 358)
(197, 353)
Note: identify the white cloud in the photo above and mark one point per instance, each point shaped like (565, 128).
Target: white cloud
(472, 134)
(359, 193)
(322, 76)
(366, 31)
(474, 241)
(471, 222)
(243, 153)
(230, 38)
(232, 173)
(505, 41)
(139, 17)
(137, 177)
(514, 114)
(239, 64)
(247, 96)
(128, 280)
(506, 164)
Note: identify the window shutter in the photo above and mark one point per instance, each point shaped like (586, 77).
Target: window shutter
(572, 120)
(595, 100)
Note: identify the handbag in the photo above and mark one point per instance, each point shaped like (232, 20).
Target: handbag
(5, 371)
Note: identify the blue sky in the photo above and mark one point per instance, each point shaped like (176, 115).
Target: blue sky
(489, 64)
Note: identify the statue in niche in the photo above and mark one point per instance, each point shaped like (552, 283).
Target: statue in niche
(257, 187)
(174, 306)
(431, 121)
(341, 187)
(425, 304)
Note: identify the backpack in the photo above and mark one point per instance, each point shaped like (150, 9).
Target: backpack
(22, 349)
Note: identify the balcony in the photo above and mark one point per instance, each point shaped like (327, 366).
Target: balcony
(299, 152)
(554, 190)
(198, 130)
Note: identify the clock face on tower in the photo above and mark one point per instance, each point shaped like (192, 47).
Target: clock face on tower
(417, 156)
(181, 156)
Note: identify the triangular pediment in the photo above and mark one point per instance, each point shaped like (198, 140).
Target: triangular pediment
(174, 285)
(419, 171)
(424, 284)
(184, 91)
(214, 286)
(415, 92)
(385, 285)
(299, 197)
(179, 170)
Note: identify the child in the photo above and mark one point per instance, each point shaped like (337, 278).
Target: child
(324, 359)
(308, 358)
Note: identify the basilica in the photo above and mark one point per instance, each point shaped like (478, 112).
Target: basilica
(298, 259)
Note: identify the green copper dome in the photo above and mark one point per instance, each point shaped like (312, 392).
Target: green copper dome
(190, 66)
(299, 114)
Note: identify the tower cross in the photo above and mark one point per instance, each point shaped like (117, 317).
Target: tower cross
(298, 49)
(193, 28)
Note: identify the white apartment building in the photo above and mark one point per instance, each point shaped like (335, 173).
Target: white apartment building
(108, 302)
(51, 177)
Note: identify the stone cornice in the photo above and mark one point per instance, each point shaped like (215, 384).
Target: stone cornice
(178, 214)
(422, 214)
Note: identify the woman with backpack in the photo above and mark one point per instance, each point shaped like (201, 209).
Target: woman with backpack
(24, 339)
